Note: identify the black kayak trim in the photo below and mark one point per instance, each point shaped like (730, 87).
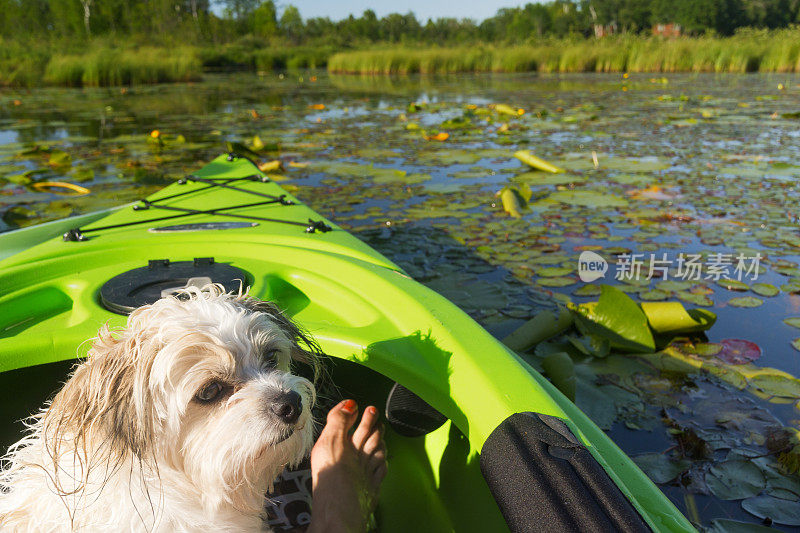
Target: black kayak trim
(544, 479)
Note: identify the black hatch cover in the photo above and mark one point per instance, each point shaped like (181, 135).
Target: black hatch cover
(141, 286)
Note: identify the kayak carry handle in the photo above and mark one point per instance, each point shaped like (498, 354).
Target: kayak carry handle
(540, 474)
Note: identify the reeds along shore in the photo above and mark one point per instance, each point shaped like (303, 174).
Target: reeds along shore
(99, 65)
(105, 64)
(751, 51)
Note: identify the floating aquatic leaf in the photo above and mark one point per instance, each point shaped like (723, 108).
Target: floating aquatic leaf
(82, 173)
(531, 160)
(702, 349)
(619, 319)
(540, 178)
(773, 383)
(539, 328)
(512, 202)
(778, 511)
(696, 299)
(59, 158)
(793, 287)
(732, 284)
(738, 351)
(654, 192)
(796, 344)
(735, 480)
(440, 136)
(583, 198)
(672, 317)
(654, 295)
(644, 164)
(60, 187)
(589, 290)
(745, 301)
(400, 177)
(561, 371)
(673, 285)
(18, 216)
(504, 109)
(270, 166)
(724, 525)
(241, 149)
(556, 282)
(765, 289)
(552, 272)
(631, 179)
(661, 468)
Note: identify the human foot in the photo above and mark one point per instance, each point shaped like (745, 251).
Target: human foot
(347, 470)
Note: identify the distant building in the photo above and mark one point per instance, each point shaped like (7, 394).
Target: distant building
(604, 30)
(667, 30)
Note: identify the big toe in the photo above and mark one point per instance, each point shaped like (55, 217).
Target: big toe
(340, 419)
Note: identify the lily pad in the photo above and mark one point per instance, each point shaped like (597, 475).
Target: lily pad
(552, 272)
(738, 351)
(697, 299)
(745, 301)
(778, 511)
(653, 295)
(556, 282)
(661, 468)
(733, 285)
(583, 198)
(561, 371)
(724, 525)
(542, 178)
(672, 317)
(589, 290)
(765, 289)
(618, 318)
(735, 480)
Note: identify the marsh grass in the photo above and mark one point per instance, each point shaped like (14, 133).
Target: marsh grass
(105, 63)
(747, 51)
(110, 66)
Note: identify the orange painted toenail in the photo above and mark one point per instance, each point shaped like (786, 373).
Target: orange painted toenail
(349, 406)
(372, 410)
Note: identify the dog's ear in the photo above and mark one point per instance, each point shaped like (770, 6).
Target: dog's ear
(304, 348)
(103, 406)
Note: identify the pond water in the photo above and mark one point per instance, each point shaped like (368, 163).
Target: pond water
(699, 165)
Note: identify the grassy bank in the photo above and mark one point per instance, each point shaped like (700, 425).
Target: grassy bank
(105, 63)
(99, 65)
(105, 67)
(750, 51)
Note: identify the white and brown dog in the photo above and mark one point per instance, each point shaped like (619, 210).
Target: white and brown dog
(176, 423)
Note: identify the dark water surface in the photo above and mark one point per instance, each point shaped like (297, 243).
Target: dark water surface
(692, 164)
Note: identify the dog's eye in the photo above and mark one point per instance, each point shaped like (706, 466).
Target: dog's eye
(210, 392)
(271, 356)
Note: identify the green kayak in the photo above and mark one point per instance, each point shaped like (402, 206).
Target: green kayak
(478, 440)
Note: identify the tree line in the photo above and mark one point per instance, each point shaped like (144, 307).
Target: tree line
(222, 21)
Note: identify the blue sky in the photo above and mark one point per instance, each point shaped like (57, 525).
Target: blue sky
(423, 9)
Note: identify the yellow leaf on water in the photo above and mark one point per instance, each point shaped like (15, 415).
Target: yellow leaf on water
(441, 136)
(270, 166)
(511, 202)
(504, 109)
(529, 159)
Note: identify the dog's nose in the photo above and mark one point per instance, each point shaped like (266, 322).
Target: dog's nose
(287, 406)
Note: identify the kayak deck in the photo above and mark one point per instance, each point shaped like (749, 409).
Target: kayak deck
(358, 305)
